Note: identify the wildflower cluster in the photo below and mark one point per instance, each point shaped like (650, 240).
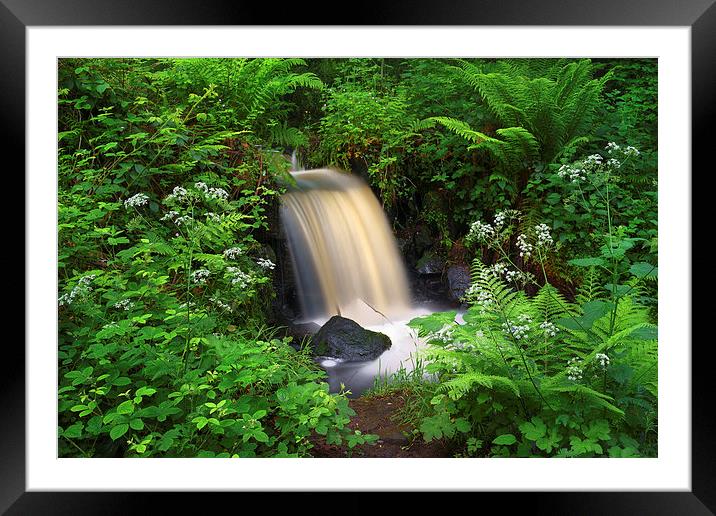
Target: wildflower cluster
(498, 269)
(479, 232)
(179, 194)
(503, 216)
(265, 263)
(479, 296)
(183, 220)
(602, 359)
(593, 159)
(200, 276)
(170, 215)
(612, 147)
(524, 246)
(574, 372)
(139, 199)
(124, 304)
(444, 334)
(82, 288)
(219, 303)
(232, 253)
(631, 151)
(520, 330)
(628, 151)
(217, 193)
(550, 330)
(572, 172)
(239, 277)
(544, 238)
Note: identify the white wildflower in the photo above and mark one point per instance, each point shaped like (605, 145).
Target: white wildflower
(479, 296)
(574, 372)
(178, 194)
(139, 199)
(517, 276)
(221, 304)
(524, 246)
(201, 186)
(612, 147)
(81, 289)
(124, 304)
(572, 173)
(631, 151)
(480, 231)
(200, 276)
(550, 330)
(239, 277)
(183, 220)
(544, 239)
(170, 215)
(503, 216)
(614, 163)
(593, 159)
(265, 263)
(233, 252)
(518, 331)
(602, 359)
(217, 193)
(213, 217)
(498, 269)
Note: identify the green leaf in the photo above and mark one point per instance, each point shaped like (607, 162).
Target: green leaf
(593, 310)
(462, 425)
(533, 429)
(505, 439)
(145, 391)
(74, 431)
(598, 430)
(136, 424)
(587, 262)
(118, 431)
(126, 407)
(644, 270)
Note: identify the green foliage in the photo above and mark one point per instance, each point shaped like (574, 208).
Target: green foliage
(165, 275)
(368, 128)
(576, 379)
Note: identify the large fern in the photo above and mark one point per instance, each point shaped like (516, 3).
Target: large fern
(253, 90)
(546, 109)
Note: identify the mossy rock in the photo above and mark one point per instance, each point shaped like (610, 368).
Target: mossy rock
(346, 339)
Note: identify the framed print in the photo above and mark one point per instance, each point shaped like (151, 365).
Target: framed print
(413, 252)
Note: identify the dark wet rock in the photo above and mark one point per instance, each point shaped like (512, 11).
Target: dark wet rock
(301, 332)
(346, 339)
(430, 264)
(458, 281)
(422, 240)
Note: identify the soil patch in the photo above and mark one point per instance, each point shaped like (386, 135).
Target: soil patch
(377, 415)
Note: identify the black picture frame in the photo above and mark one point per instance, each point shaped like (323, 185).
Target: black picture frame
(700, 15)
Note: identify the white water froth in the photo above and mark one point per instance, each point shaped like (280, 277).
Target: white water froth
(359, 376)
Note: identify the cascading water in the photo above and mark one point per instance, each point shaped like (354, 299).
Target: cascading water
(346, 262)
(345, 256)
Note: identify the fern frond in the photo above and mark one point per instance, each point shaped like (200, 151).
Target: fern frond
(463, 384)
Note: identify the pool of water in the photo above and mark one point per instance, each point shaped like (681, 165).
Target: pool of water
(357, 377)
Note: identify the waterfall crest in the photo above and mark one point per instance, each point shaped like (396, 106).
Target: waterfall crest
(345, 257)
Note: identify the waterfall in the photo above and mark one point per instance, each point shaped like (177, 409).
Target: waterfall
(344, 255)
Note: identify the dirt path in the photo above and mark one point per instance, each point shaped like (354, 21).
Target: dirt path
(375, 415)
